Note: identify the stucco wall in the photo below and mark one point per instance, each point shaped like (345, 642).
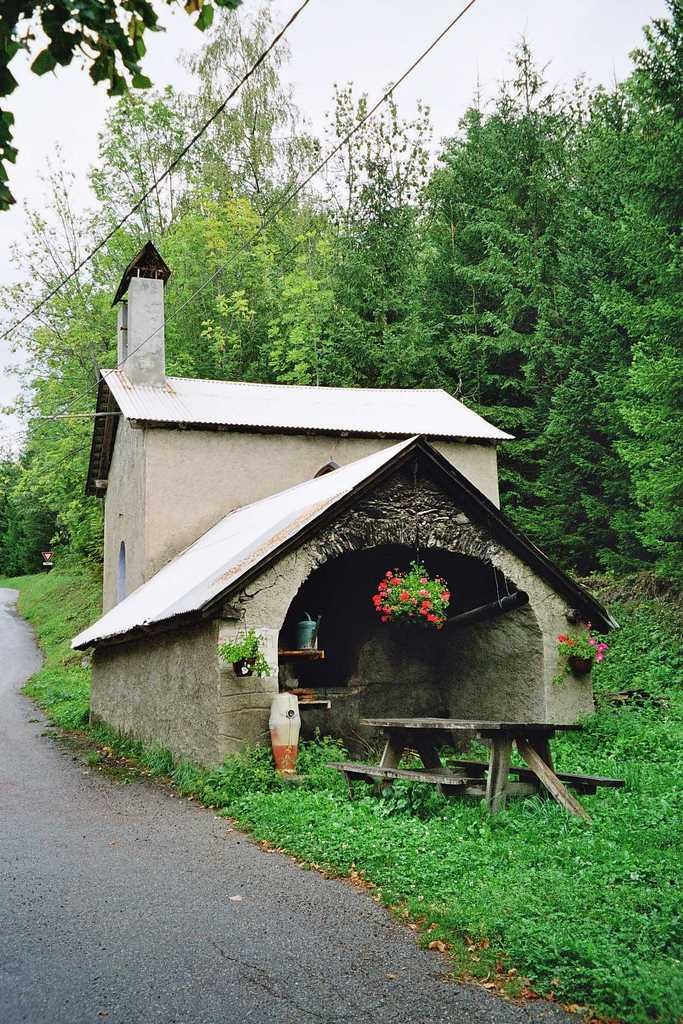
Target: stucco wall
(124, 512)
(494, 669)
(244, 702)
(163, 689)
(193, 478)
(174, 689)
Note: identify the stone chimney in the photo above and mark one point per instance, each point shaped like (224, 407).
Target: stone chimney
(141, 350)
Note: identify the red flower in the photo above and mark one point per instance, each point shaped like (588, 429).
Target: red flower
(404, 596)
(445, 596)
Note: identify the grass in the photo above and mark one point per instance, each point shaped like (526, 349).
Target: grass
(590, 914)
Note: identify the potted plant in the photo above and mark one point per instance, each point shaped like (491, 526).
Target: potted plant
(580, 651)
(246, 654)
(412, 596)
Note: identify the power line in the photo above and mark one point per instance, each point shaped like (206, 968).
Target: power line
(279, 207)
(157, 181)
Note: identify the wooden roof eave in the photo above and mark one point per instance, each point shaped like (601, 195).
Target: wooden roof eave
(103, 437)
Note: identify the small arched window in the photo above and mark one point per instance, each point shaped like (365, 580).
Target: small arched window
(329, 467)
(121, 590)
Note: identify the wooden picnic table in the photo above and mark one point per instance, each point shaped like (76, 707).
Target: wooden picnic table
(490, 780)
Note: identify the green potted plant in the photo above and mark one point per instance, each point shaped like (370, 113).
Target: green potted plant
(245, 652)
(579, 651)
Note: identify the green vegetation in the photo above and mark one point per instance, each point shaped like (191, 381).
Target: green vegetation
(57, 605)
(246, 647)
(105, 35)
(533, 270)
(589, 913)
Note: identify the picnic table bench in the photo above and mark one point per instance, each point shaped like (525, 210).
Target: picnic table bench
(490, 780)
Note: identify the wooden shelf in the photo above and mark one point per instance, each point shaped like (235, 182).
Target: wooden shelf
(306, 655)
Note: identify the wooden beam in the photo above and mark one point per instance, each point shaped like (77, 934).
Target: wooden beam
(488, 611)
(551, 781)
(499, 771)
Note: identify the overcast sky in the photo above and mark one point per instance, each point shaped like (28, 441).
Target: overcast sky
(369, 42)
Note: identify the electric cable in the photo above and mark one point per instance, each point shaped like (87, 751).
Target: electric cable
(157, 181)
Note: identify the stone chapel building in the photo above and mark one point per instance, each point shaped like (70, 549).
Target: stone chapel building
(231, 505)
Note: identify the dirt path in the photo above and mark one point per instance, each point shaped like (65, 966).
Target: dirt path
(126, 905)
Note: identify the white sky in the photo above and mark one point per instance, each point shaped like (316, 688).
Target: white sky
(369, 42)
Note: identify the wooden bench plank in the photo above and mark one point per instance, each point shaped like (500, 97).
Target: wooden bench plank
(466, 724)
(433, 775)
(447, 782)
(525, 773)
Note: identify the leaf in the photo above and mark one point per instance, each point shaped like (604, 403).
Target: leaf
(192, 5)
(205, 18)
(438, 945)
(44, 62)
(140, 81)
(8, 82)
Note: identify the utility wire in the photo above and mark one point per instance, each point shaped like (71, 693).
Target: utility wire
(157, 181)
(279, 207)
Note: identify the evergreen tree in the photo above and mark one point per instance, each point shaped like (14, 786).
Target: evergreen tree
(653, 403)
(490, 260)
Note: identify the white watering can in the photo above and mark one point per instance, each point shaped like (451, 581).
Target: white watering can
(285, 724)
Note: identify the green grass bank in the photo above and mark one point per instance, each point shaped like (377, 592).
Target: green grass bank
(591, 914)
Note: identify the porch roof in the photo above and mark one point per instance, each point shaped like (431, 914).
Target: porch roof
(241, 545)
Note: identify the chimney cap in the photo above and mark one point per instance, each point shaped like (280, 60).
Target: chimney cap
(147, 263)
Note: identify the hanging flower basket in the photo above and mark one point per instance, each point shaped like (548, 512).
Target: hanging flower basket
(412, 596)
(578, 652)
(246, 654)
(579, 666)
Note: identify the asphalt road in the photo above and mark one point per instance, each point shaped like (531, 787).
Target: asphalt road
(127, 905)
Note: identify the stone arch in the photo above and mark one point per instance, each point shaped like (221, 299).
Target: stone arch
(425, 516)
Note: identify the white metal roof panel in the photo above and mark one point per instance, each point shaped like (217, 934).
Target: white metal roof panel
(229, 549)
(391, 412)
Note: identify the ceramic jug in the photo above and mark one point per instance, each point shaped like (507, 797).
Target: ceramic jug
(284, 724)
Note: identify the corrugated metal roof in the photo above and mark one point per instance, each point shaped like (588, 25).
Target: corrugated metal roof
(230, 549)
(390, 412)
(248, 537)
